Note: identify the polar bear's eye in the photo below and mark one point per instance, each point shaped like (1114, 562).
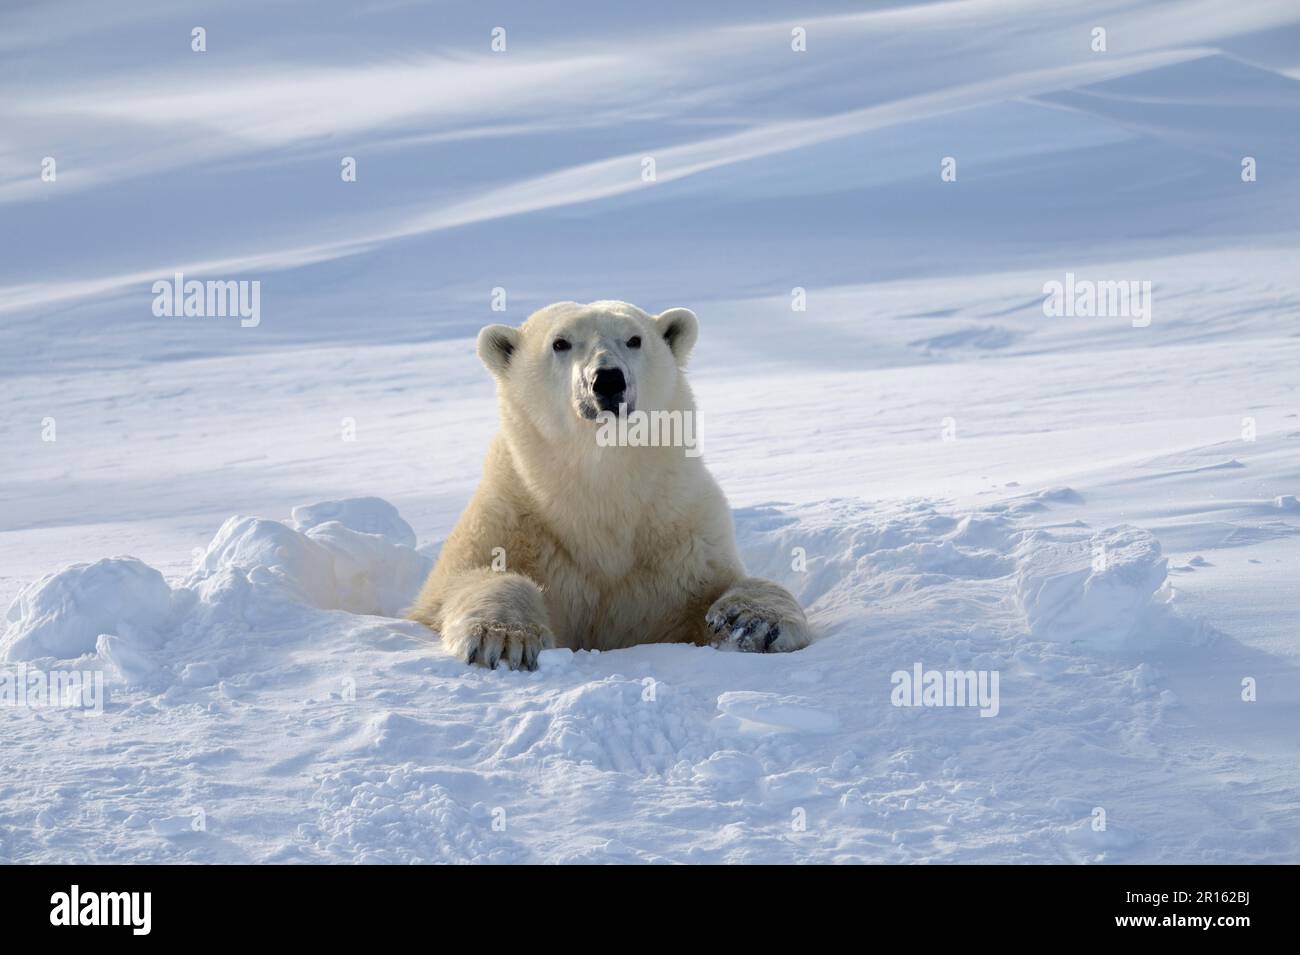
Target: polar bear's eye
(561, 344)
(634, 341)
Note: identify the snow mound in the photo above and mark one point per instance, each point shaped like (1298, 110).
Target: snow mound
(62, 614)
(332, 566)
(367, 515)
(913, 566)
(371, 574)
(256, 572)
(916, 567)
(272, 557)
(1106, 591)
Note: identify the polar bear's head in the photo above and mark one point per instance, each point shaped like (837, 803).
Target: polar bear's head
(570, 362)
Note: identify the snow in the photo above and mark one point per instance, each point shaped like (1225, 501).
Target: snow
(62, 614)
(1099, 589)
(330, 565)
(1101, 514)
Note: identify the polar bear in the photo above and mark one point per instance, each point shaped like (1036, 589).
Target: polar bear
(575, 542)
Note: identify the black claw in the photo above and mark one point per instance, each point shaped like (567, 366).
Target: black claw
(492, 661)
(771, 637)
(473, 655)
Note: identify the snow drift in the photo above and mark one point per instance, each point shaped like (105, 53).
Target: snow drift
(356, 555)
(1103, 590)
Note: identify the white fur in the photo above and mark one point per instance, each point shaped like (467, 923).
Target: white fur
(604, 547)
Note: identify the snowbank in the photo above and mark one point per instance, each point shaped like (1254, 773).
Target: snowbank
(331, 564)
(366, 515)
(355, 555)
(62, 614)
(1106, 590)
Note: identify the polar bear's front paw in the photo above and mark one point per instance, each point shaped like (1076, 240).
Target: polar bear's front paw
(759, 617)
(492, 643)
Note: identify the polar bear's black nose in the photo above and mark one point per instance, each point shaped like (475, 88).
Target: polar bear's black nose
(608, 383)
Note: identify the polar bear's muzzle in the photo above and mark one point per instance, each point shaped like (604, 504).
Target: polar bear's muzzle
(606, 388)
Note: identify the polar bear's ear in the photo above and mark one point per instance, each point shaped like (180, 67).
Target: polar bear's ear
(496, 346)
(679, 328)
